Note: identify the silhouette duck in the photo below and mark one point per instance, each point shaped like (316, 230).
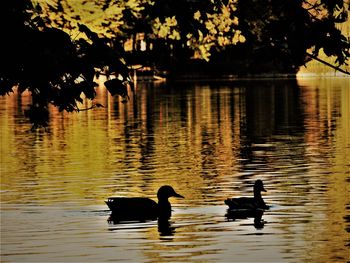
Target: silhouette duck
(249, 203)
(141, 208)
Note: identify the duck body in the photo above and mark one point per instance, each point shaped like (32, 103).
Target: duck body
(249, 203)
(141, 208)
(133, 208)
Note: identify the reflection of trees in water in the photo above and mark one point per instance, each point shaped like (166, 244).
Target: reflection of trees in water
(194, 124)
(272, 113)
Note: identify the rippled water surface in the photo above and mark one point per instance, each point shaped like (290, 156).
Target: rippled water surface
(210, 142)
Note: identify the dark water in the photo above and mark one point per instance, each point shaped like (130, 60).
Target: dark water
(210, 142)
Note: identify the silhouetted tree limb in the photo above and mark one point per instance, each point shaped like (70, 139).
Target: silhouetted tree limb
(328, 64)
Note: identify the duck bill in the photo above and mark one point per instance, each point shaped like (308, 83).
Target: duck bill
(263, 189)
(178, 195)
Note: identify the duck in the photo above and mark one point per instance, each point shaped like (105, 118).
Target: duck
(249, 203)
(142, 208)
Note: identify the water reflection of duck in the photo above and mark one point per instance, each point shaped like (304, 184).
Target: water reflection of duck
(245, 214)
(249, 203)
(141, 208)
(165, 228)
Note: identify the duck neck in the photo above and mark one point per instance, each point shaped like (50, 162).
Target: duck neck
(163, 202)
(257, 195)
(164, 208)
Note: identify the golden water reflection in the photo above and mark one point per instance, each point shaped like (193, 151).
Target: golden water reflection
(209, 141)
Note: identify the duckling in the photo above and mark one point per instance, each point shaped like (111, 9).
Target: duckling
(142, 208)
(249, 203)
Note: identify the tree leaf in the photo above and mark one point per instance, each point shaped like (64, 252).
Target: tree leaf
(88, 88)
(116, 87)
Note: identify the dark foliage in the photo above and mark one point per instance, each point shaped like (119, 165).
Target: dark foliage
(57, 70)
(290, 27)
(279, 34)
(52, 67)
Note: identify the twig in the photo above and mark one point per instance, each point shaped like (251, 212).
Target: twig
(312, 6)
(98, 105)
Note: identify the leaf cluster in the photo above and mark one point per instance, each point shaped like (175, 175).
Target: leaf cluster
(54, 68)
(286, 29)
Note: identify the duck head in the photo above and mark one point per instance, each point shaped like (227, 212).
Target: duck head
(164, 206)
(259, 186)
(167, 191)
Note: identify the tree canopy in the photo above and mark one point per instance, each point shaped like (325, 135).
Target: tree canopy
(55, 49)
(200, 28)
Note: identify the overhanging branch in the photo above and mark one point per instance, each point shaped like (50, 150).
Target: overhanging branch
(328, 64)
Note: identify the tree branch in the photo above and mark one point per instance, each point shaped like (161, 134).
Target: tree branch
(312, 6)
(327, 64)
(97, 105)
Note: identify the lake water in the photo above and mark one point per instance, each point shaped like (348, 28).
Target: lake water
(210, 142)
